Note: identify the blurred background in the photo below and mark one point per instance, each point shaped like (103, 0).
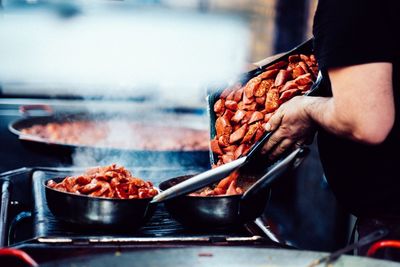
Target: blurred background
(125, 49)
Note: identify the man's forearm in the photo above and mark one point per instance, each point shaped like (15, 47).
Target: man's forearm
(322, 111)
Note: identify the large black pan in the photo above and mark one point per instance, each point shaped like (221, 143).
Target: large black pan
(64, 151)
(232, 210)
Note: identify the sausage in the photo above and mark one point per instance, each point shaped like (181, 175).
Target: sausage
(230, 149)
(288, 94)
(250, 133)
(263, 88)
(256, 116)
(282, 77)
(278, 65)
(294, 58)
(238, 95)
(231, 104)
(269, 74)
(297, 71)
(222, 126)
(288, 85)
(238, 134)
(240, 150)
(251, 86)
(247, 116)
(223, 140)
(260, 100)
(219, 106)
(272, 100)
(215, 147)
(109, 181)
(238, 115)
(304, 79)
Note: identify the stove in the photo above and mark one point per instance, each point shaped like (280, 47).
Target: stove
(301, 213)
(28, 224)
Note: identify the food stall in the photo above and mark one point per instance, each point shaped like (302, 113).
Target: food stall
(132, 100)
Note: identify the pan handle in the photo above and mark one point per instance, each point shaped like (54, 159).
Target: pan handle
(260, 191)
(293, 160)
(383, 244)
(5, 203)
(30, 110)
(23, 256)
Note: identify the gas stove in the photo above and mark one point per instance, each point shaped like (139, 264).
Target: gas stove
(28, 224)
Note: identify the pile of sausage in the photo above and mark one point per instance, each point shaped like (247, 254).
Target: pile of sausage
(121, 134)
(110, 181)
(242, 111)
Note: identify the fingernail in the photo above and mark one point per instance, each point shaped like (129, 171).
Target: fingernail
(268, 127)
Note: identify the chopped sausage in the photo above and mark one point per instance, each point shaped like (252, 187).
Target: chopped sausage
(251, 86)
(238, 134)
(278, 65)
(256, 116)
(272, 100)
(232, 105)
(282, 77)
(269, 74)
(116, 182)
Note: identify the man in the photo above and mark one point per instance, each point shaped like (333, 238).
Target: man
(358, 51)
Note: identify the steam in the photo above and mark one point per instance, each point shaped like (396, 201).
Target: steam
(126, 146)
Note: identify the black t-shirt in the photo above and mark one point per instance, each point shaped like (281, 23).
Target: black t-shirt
(364, 178)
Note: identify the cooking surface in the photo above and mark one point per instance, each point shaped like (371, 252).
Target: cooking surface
(161, 225)
(46, 229)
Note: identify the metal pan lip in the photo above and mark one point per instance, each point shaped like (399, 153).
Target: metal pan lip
(34, 138)
(200, 197)
(215, 197)
(148, 199)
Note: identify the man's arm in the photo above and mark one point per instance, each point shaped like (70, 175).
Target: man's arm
(362, 106)
(361, 109)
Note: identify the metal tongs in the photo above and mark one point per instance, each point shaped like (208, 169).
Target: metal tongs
(211, 176)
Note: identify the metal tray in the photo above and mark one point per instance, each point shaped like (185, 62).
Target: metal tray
(213, 94)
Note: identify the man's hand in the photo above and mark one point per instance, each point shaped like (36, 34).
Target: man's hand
(291, 127)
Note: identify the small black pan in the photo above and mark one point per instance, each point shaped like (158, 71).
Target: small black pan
(228, 211)
(126, 213)
(96, 211)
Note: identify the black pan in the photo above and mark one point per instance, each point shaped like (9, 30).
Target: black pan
(118, 213)
(65, 151)
(98, 212)
(228, 211)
